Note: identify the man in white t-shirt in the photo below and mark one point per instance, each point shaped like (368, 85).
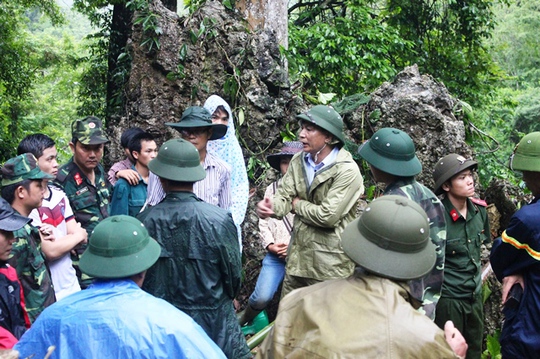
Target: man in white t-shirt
(60, 232)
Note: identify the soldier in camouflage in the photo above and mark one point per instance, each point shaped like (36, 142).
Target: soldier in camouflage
(23, 187)
(84, 180)
(391, 156)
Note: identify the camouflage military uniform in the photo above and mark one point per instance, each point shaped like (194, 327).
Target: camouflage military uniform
(89, 202)
(29, 262)
(428, 289)
(26, 256)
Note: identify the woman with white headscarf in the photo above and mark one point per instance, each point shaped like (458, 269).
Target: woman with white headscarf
(228, 149)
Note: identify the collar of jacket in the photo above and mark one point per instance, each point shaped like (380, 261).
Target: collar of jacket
(182, 196)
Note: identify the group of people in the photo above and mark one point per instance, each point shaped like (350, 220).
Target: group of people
(401, 279)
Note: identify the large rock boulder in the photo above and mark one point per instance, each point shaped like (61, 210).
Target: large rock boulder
(420, 106)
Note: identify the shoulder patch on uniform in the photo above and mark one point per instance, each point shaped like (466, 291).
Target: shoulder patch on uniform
(63, 172)
(478, 201)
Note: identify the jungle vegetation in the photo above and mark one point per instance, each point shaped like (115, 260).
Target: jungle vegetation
(64, 59)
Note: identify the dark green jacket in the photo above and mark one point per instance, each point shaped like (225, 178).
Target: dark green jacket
(464, 237)
(199, 270)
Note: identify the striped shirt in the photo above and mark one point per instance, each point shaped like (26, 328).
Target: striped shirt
(215, 188)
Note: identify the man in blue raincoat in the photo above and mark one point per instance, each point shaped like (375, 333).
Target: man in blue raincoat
(114, 318)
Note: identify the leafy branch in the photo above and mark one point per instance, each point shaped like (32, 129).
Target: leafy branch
(149, 22)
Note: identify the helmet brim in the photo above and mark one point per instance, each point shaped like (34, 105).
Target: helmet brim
(454, 170)
(386, 263)
(120, 267)
(402, 168)
(172, 172)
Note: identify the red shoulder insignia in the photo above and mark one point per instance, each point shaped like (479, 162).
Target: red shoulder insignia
(454, 214)
(78, 178)
(478, 201)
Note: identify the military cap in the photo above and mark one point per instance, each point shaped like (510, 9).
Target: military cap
(88, 131)
(119, 247)
(20, 168)
(392, 151)
(9, 219)
(449, 166)
(326, 118)
(196, 116)
(526, 156)
(178, 160)
(391, 239)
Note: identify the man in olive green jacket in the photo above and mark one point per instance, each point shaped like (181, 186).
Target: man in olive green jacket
(322, 187)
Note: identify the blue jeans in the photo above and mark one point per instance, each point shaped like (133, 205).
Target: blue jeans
(270, 277)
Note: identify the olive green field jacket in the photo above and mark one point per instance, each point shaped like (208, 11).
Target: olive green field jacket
(324, 209)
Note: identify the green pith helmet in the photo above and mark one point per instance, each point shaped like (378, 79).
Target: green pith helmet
(526, 156)
(20, 168)
(196, 116)
(326, 118)
(392, 151)
(391, 239)
(178, 160)
(449, 166)
(88, 131)
(119, 247)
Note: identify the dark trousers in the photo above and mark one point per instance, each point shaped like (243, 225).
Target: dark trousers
(468, 317)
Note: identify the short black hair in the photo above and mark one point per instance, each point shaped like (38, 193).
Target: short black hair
(128, 134)
(8, 192)
(35, 144)
(135, 143)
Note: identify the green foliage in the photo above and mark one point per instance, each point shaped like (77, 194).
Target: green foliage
(149, 22)
(288, 135)
(93, 88)
(515, 45)
(255, 168)
(512, 108)
(486, 291)
(448, 38)
(352, 46)
(350, 52)
(18, 65)
(493, 347)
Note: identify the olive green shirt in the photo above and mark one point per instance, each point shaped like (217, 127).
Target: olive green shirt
(464, 237)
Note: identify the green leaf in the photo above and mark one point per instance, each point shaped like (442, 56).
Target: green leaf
(325, 98)
(240, 116)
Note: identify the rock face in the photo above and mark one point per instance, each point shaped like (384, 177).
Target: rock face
(210, 52)
(420, 106)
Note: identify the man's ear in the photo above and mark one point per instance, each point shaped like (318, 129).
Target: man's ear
(72, 147)
(20, 192)
(446, 186)
(135, 154)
